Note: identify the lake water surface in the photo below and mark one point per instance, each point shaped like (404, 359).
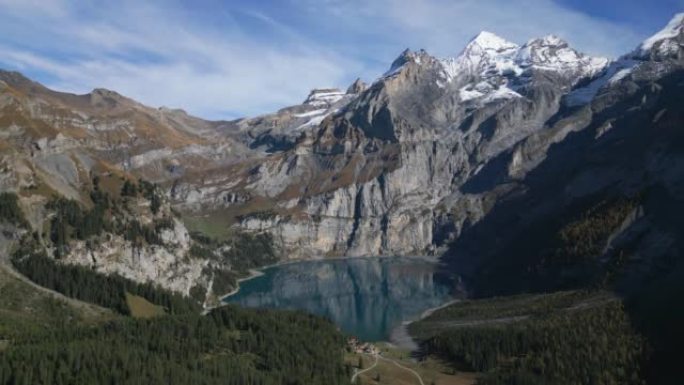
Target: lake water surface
(365, 297)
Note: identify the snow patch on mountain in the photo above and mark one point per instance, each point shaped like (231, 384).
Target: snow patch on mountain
(662, 44)
(486, 93)
(552, 53)
(501, 93)
(672, 30)
(469, 93)
(324, 97)
(311, 113)
(621, 74)
(617, 71)
(316, 120)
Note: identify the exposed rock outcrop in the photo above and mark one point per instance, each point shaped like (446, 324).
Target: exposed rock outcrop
(357, 87)
(168, 265)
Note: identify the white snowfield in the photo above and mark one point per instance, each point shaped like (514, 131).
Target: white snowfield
(489, 55)
(492, 60)
(615, 72)
(316, 120)
(311, 113)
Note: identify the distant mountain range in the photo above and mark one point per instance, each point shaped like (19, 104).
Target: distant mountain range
(500, 160)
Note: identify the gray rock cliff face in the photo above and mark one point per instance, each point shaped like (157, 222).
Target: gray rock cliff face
(429, 148)
(382, 175)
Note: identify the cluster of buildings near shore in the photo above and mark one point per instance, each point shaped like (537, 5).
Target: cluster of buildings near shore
(357, 346)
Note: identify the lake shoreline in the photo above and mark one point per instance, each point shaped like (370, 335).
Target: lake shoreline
(390, 335)
(400, 336)
(258, 272)
(253, 273)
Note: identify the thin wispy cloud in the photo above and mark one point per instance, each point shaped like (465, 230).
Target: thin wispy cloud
(236, 58)
(444, 26)
(161, 57)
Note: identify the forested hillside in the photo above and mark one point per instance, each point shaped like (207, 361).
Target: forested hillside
(563, 338)
(536, 173)
(228, 345)
(104, 290)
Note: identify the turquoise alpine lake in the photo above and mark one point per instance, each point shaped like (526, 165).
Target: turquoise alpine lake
(365, 297)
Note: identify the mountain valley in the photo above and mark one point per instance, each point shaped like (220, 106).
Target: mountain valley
(535, 176)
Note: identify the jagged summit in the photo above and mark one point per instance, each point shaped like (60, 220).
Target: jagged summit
(106, 93)
(482, 51)
(489, 56)
(499, 62)
(554, 53)
(489, 41)
(357, 87)
(405, 57)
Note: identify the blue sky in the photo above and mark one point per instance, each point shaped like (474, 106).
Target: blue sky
(227, 59)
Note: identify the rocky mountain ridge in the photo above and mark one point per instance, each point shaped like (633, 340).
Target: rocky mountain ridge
(411, 164)
(408, 143)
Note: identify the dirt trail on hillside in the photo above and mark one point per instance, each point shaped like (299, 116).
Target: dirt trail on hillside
(581, 305)
(6, 266)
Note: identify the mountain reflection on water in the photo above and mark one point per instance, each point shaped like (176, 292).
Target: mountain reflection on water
(365, 297)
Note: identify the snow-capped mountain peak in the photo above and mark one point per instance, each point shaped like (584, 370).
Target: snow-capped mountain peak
(496, 65)
(488, 42)
(486, 53)
(490, 54)
(665, 42)
(673, 28)
(555, 54)
(405, 57)
(491, 67)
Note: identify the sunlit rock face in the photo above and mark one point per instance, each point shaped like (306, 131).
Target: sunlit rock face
(375, 170)
(384, 172)
(366, 297)
(432, 146)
